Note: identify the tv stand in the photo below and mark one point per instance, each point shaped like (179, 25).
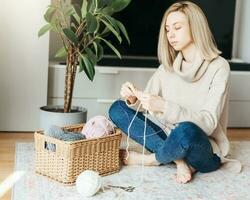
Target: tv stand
(98, 95)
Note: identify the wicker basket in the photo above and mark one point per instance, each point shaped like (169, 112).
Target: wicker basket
(71, 158)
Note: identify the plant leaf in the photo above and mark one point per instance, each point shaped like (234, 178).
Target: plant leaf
(44, 29)
(91, 6)
(49, 14)
(107, 2)
(91, 22)
(83, 67)
(92, 57)
(73, 27)
(87, 66)
(76, 8)
(118, 5)
(61, 53)
(97, 27)
(101, 3)
(105, 32)
(112, 30)
(111, 46)
(70, 11)
(123, 29)
(112, 22)
(98, 50)
(84, 8)
(70, 35)
(115, 6)
(108, 10)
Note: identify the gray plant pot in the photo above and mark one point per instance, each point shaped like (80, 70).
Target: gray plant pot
(53, 115)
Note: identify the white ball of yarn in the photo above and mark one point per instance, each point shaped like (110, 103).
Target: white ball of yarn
(88, 183)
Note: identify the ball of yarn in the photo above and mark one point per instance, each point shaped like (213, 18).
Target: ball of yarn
(97, 126)
(88, 183)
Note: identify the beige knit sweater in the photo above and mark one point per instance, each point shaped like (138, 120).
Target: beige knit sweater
(195, 92)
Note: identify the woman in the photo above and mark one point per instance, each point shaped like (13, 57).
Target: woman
(188, 94)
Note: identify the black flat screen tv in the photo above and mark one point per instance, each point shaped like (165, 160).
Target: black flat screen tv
(142, 20)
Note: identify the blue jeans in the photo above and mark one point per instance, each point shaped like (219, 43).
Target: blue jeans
(187, 141)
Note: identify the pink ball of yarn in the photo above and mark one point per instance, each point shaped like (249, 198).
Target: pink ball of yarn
(97, 126)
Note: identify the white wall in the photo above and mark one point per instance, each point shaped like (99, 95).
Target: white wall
(23, 64)
(54, 45)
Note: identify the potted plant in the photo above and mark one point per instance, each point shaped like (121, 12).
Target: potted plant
(82, 30)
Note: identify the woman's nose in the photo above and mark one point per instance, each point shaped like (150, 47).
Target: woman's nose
(171, 34)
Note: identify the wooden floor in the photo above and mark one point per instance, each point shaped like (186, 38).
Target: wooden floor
(8, 140)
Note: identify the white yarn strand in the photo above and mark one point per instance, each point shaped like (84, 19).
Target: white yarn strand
(144, 143)
(143, 148)
(127, 145)
(131, 188)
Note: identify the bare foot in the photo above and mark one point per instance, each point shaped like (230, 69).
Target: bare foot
(184, 173)
(135, 158)
(192, 169)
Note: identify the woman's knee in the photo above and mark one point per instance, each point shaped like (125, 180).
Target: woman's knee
(187, 125)
(188, 132)
(115, 110)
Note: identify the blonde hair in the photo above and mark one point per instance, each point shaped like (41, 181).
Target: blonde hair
(200, 33)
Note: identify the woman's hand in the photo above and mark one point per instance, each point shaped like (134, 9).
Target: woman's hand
(152, 103)
(127, 90)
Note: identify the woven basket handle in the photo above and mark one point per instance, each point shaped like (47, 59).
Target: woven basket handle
(49, 145)
(44, 142)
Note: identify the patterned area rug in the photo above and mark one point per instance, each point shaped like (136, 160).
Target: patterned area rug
(158, 182)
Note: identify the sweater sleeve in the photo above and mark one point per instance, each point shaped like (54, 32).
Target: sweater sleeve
(208, 116)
